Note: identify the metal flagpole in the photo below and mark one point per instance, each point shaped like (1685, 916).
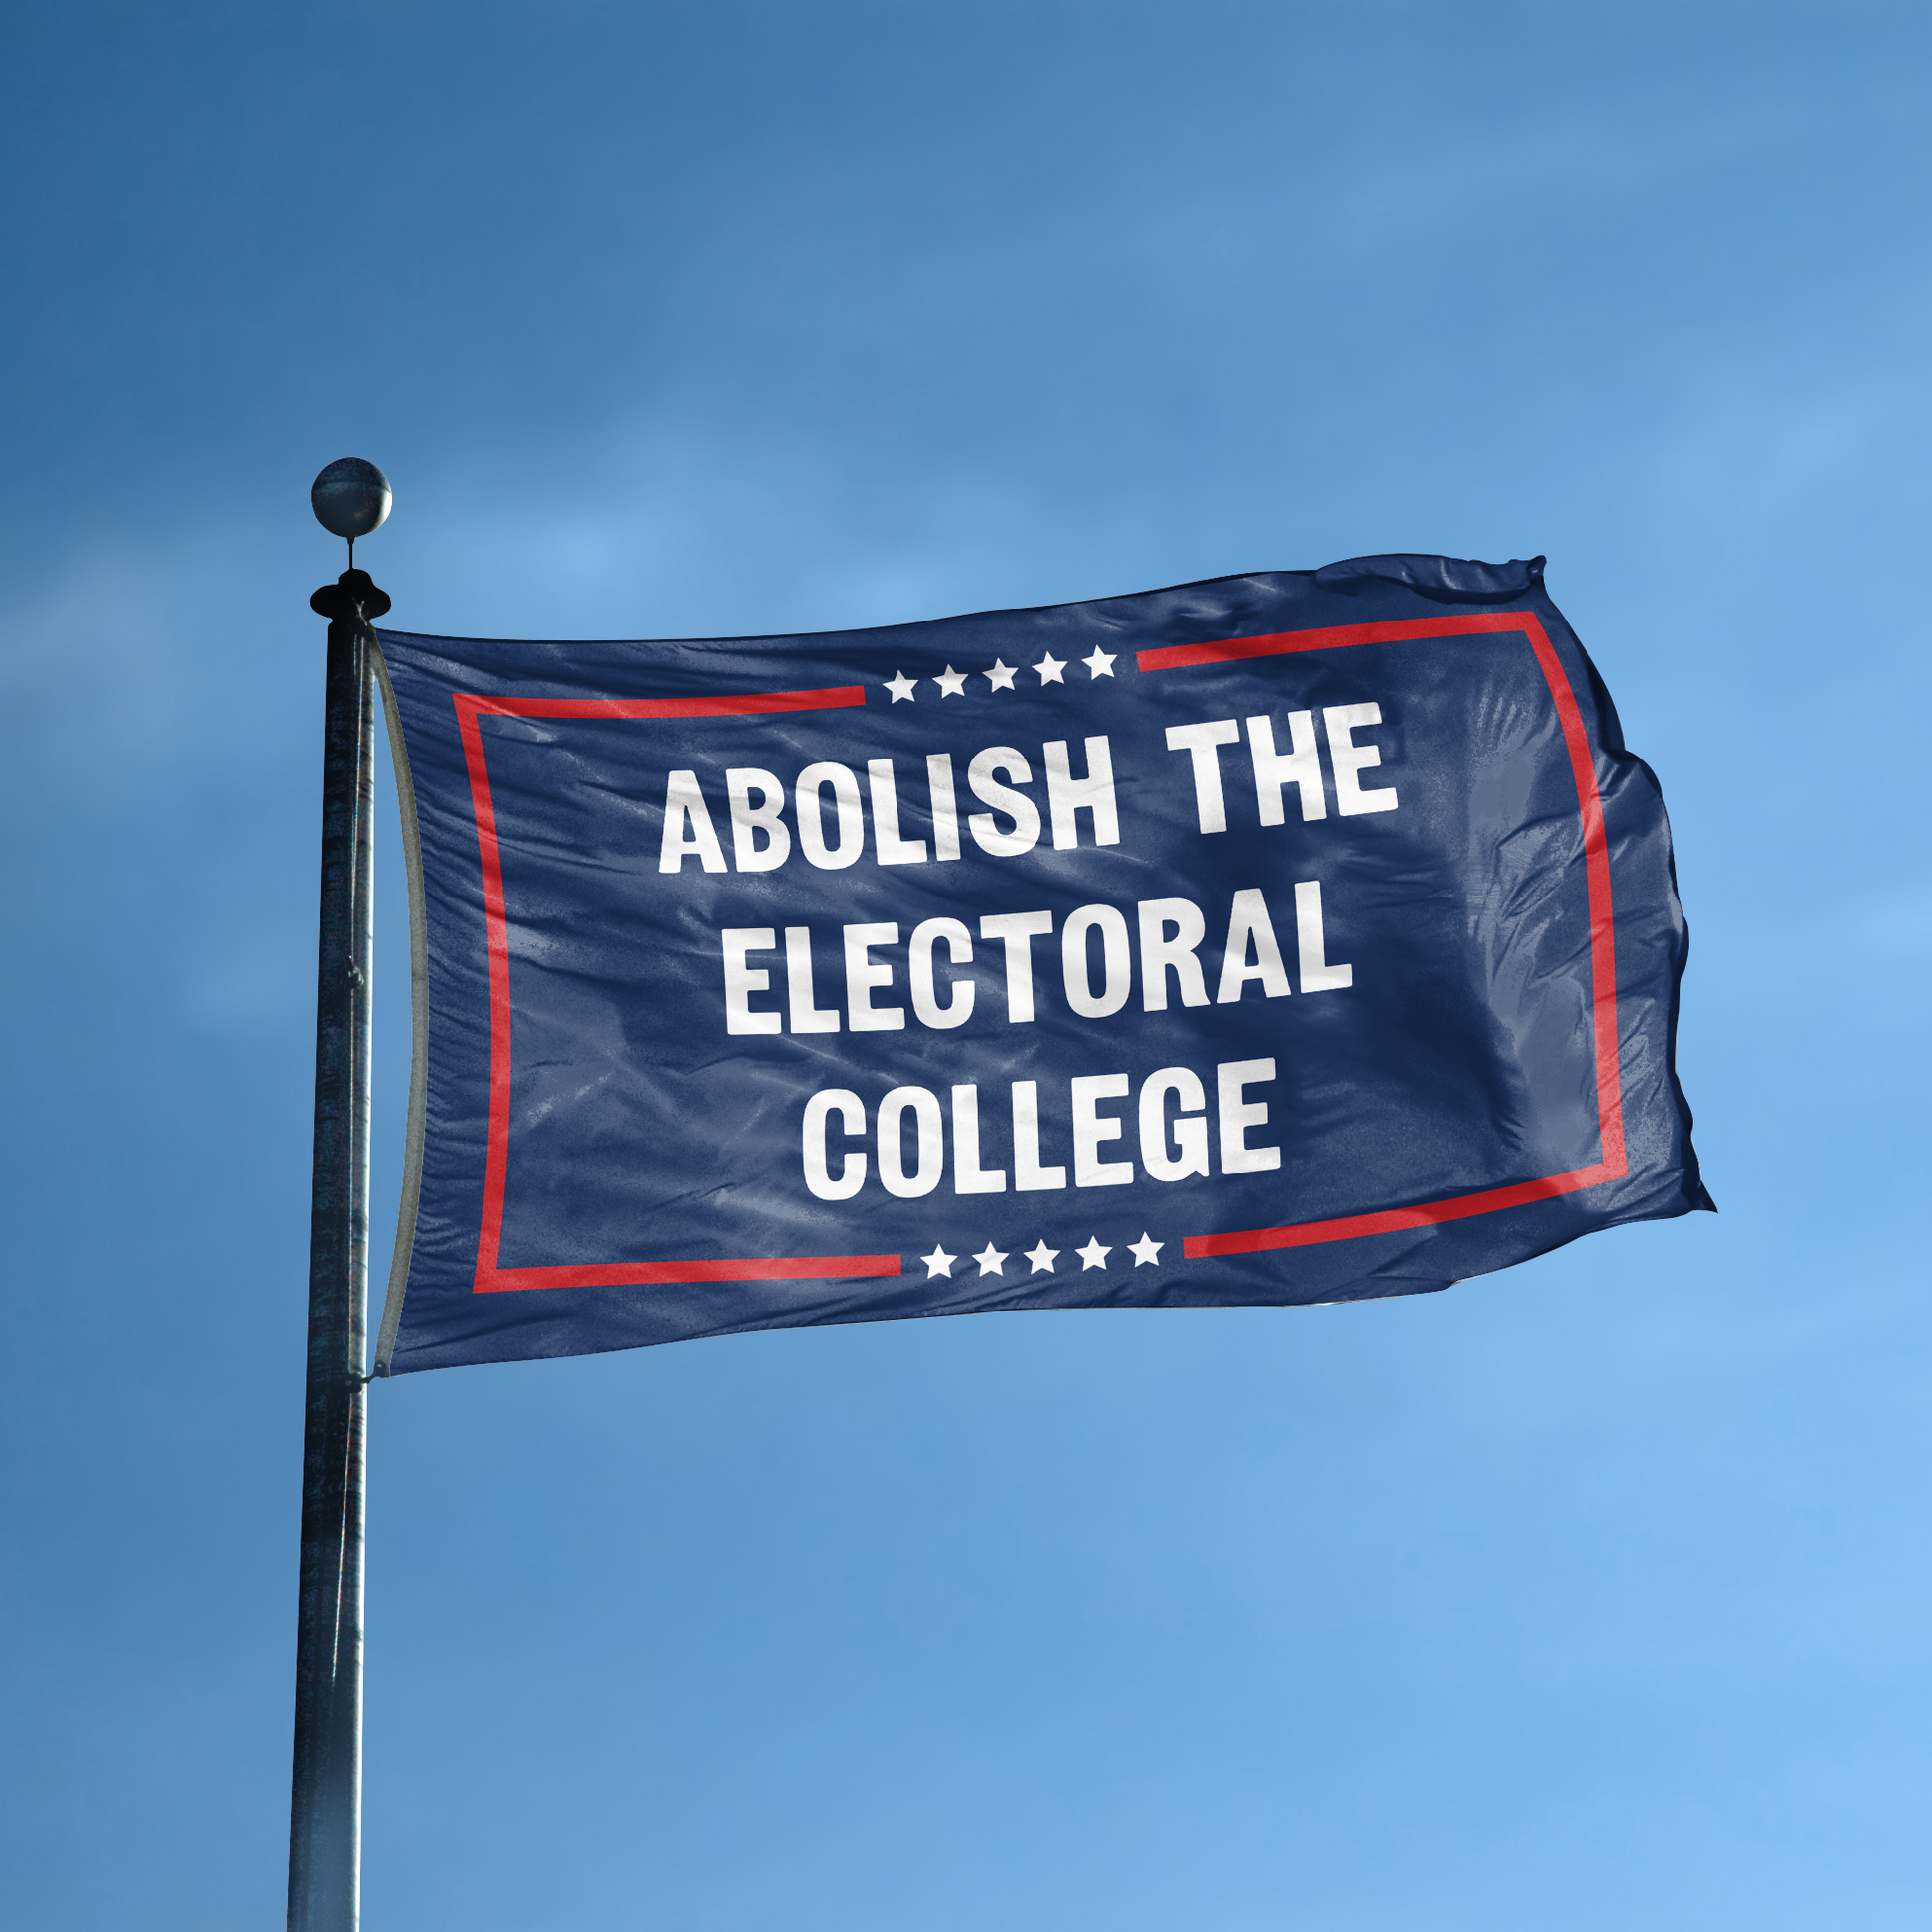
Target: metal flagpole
(351, 499)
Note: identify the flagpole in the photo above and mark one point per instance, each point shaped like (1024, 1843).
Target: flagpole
(325, 1809)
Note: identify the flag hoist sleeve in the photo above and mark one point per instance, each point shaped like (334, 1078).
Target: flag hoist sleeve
(1305, 936)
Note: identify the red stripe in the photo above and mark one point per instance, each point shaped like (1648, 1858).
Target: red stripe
(637, 1274)
(1175, 657)
(1602, 930)
(470, 705)
(1602, 921)
(497, 929)
(751, 704)
(1596, 866)
(1351, 1227)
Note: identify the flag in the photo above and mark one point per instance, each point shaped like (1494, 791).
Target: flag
(1300, 937)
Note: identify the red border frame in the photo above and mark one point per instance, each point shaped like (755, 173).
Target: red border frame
(1602, 936)
(490, 1278)
(1614, 1165)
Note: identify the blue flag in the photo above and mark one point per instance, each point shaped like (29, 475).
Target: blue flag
(1305, 936)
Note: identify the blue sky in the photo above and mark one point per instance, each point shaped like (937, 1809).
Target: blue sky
(1592, 1594)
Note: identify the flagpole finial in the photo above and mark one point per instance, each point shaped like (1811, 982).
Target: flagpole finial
(350, 498)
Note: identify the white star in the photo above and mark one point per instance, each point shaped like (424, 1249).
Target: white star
(991, 1260)
(1094, 1255)
(952, 684)
(1001, 675)
(1144, 1249)
(1101, 664)
(1042, 1257)
(1050, 669)
(901, 686)
(938, 1261)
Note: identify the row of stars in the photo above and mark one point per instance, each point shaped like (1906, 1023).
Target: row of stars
(952, 684)
(992, 1262)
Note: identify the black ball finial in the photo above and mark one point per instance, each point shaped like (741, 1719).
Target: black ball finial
(350, 498)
